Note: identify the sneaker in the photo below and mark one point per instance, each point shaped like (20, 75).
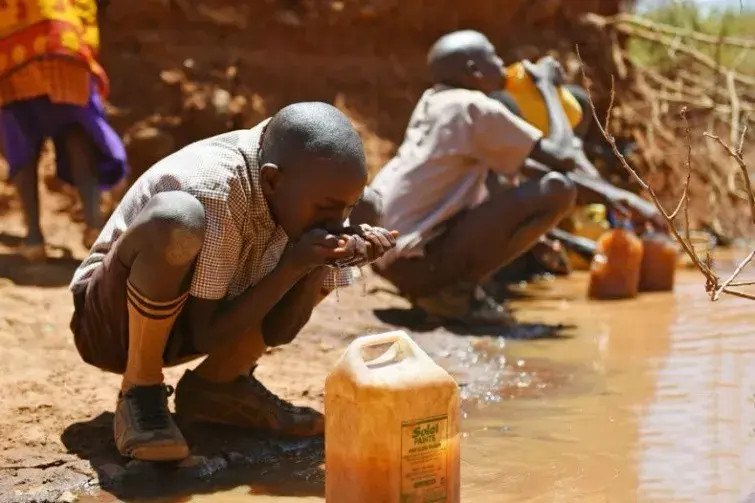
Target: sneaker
(143, 427)
(244, 402)
(467, 305)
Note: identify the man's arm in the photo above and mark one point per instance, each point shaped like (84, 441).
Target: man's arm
(591, 190)
(557, 149)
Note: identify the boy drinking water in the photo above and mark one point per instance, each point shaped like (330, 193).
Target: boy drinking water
(222, 249)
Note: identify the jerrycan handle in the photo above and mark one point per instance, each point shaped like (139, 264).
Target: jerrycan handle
(405, 346)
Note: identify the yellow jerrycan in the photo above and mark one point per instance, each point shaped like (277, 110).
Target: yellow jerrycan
(391, 425)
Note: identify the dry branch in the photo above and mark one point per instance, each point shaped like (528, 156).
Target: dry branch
(715, 286)
(655, 32)
(679, 32)
(737, 155)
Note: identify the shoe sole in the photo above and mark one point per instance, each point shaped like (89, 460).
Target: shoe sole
(159, 453)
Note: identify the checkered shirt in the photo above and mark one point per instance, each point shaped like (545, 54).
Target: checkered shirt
(242, 243)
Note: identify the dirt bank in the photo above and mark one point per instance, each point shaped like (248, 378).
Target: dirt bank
(192, 69)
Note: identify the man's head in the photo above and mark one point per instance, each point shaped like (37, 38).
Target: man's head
(466, 59)
(312, 167)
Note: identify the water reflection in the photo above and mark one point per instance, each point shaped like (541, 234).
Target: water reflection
(696, 433)
(578, 443)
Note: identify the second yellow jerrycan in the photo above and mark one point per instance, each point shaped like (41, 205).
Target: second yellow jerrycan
(391, 425)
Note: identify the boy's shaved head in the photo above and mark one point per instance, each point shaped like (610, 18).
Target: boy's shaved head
(313, 167)
(465, 58)
(312, 130)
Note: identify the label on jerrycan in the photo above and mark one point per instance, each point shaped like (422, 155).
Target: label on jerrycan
(424, 460)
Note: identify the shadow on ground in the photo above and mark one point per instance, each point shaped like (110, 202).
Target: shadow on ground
(223, 458)
(416, 321)
(52, 272)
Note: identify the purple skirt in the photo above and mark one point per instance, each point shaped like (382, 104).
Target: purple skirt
(27, 123)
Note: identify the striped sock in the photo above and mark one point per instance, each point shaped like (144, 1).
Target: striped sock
(149, 326)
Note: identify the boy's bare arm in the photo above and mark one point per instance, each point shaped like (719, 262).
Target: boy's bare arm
(288, 317)
(280, 304)
(214, 323)
(284, 321)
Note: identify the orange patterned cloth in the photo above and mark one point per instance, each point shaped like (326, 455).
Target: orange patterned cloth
(48, 47)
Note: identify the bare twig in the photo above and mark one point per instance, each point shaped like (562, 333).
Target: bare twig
(737, 156)
(742, 283)
(714, 285)
(741, 146)
(671, 37)
(734, 275)
(731, 86)
(679, 32)
(685, 194)
(684, 200)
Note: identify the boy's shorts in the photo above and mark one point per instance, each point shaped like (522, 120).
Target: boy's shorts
(100, 321)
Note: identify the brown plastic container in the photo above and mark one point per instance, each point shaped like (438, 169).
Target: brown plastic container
(659, 260)
(615, 269)
(391, 426)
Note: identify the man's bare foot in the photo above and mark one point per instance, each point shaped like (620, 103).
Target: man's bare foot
(465, 304)
(551, 256)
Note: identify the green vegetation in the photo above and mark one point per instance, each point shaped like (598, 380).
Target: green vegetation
(729, 22)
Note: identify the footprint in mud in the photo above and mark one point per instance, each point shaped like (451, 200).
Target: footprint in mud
(416, 321)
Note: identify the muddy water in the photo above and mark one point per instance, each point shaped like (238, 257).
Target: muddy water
(648, 400)
(656, 406)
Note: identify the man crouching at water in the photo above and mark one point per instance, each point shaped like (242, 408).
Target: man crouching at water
(222, 249)
(454, 234)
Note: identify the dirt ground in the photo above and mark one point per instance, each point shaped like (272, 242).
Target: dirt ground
(56, 421)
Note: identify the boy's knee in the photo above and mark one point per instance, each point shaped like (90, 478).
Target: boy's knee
(177, 223)
(561, 191)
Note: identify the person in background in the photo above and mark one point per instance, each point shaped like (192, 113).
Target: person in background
(51, 86)
(472, 187)
(563, 105)
(568, 104)
(454, 234)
